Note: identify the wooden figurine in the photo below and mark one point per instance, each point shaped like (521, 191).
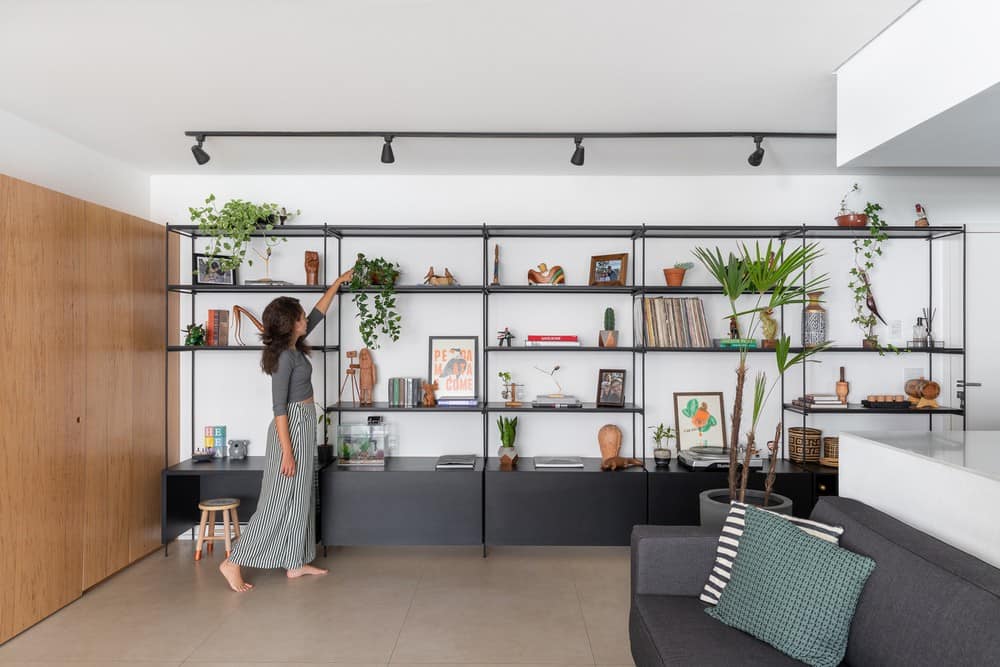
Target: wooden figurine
(504, 337)
(734, 328)
(368, 377)
(770, 328)
(923, 393)
(921, 220)
(312, 267)
(439, 281)
(238, 313)
(609, 438)
(843, 387)
(496, 265)
(546, 276)
(351, 375)
(429, 400)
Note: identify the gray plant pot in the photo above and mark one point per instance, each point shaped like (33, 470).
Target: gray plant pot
(714, 504)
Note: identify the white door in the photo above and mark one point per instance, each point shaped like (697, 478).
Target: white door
(983, 334)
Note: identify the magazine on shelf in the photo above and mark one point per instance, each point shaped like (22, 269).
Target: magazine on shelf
(456, 462)
(558, 462)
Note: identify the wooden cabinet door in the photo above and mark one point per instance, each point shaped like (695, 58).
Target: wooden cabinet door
(41, 402)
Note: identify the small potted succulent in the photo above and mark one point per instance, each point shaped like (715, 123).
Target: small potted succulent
(609, 336)
(508, 434)
(675, 276)
(848, 218)
(194, 335)
(662, 435)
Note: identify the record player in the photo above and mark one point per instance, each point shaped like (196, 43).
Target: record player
(712, 458)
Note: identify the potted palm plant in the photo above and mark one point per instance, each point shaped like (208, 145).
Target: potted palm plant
(772, 277)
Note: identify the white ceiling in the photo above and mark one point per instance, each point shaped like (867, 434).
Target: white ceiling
(127, 77)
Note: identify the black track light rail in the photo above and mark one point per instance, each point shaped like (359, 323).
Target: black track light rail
(201, 134)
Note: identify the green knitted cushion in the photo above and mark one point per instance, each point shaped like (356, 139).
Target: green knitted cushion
(793, 591)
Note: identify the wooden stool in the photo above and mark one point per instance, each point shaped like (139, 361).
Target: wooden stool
(206, 530)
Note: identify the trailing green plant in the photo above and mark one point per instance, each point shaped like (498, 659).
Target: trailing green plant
(661, 433)
(232, 227)
(508, 430)
(609, 319)
(774, 276)
(843, 200)
(376, 313)
(866, 251)
(687, 266)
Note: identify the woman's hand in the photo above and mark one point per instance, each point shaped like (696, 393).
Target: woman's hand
(287, 464)
(345, 277)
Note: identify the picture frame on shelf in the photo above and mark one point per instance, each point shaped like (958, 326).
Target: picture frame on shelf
(609, 270)
(453, 362)
(208, 270)
(611, 388)
(699, 419)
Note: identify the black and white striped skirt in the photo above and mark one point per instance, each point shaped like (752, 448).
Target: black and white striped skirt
(282, 532)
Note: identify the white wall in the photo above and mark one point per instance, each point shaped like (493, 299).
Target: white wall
(232, 391)
(37, 155)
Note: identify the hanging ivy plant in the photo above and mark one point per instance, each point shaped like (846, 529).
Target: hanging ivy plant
(376, 311)
(232, 227)
(867, 249)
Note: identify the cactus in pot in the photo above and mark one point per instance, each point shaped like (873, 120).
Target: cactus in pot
(609, 335)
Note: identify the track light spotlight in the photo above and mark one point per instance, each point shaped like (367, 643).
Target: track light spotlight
(200, 156)
(387, 156)
(758, 155)
(577, 158)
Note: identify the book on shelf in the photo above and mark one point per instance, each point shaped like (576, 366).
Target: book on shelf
(675, 322)
(546, 401)
(456, 462)
(552, 338)
(404, 392)
(808, 405)
(551, 343)
(558, 462)
(455, 402)
(217, 328)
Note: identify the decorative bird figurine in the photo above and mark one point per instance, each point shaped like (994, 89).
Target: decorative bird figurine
(870, 298)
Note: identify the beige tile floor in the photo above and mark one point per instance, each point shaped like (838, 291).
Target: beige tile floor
(378, 606)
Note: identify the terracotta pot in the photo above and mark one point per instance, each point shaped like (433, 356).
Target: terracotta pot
(608, 338)
(768, 343)
(869, 344)
(852, 220)
(675, 277)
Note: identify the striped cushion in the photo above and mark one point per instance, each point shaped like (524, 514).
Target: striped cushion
(729, 545)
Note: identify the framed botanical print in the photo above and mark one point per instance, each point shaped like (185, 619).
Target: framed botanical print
(611, 388)
(453, 364)
(700, 419)
(609, 270)
(208, 270)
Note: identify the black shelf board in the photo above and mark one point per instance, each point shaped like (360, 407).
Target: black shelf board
(406, 231)
(560, 289)
(721, 231)
(666, 290)
(407, 464)
(499, 406)
(383, 406)
(726, 350)
(422, 289)
(782, 467)
(238, 348)
(526, 464)
(560, 348)
(894, 232)
(263, 289)
(563, 231)
(889, 353)
(297, 231)
(857, 408)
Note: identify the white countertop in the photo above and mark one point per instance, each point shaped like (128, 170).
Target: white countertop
(975, 451)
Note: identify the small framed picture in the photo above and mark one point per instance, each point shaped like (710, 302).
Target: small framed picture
(700, 419)
(453, 362)
(609, 270)
(208, 271)
(611, 388)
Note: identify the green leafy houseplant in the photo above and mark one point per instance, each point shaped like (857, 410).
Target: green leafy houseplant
(232, 226)
(376, 313)
(866, 251)
(194, 335)
(774, 276)
(661, 433)
(508, 430)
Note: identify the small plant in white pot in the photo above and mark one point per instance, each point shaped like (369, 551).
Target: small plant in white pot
(508, 435)
(662, 435)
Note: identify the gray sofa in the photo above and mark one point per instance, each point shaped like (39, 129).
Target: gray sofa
(926, 603)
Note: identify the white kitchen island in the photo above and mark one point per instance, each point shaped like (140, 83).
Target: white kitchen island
(945, 483)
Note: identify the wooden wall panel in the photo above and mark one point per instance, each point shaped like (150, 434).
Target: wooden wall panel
(41, 403)
(174, 361)
(108, 278)
(146, 240)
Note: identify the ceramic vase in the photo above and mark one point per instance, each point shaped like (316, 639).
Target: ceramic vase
(814, 322)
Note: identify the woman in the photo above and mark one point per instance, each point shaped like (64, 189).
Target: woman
(282, 532)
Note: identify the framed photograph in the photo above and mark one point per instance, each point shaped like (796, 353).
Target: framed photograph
(609, 270)
(700, 419)
(208, 271)
(611, 388)
(453, 362)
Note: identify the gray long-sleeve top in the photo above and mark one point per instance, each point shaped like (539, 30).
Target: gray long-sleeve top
(292, 382)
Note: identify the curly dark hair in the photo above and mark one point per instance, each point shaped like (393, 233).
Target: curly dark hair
(279, 321)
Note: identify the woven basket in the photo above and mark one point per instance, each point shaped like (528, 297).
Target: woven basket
(831, 447)
(803, 444)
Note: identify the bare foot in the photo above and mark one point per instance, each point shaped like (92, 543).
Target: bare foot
(231, 571)
(304, 570)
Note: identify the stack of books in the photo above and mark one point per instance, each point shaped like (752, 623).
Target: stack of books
(818, 402)
(457, 401)
(217, 328)
(405, 392)
(552, 340)
(456, 462)
(675, 322)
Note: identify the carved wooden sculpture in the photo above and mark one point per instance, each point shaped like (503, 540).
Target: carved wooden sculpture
(367, 377)
(438, 281)
(312, 267)
(429, 400)
(546, 276)
(610, 440)
(240, 312)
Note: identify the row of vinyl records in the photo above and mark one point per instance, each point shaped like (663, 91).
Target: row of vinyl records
(675, 322)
